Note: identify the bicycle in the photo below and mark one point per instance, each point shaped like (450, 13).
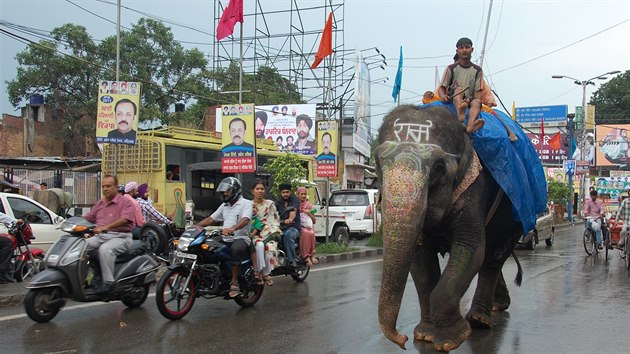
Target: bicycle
(624, 251)
(589, 238)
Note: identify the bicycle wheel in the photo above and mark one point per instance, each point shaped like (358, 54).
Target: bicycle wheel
(589, 242)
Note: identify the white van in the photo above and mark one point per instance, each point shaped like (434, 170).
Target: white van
(359, 208)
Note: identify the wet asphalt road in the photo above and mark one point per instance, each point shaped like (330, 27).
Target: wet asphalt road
(569, 303)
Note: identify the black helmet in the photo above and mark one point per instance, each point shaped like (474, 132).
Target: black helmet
(229, 184)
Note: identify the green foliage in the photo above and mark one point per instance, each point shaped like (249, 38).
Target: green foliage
(557, 192)
(286, 169)
(376, 240)
(333, 248)
(612, 100)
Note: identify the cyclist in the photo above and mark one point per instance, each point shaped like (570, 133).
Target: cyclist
(594, 211)
(623, 214)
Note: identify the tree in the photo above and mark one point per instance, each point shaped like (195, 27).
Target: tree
(612, 100)
(286, 169)
(68, 68)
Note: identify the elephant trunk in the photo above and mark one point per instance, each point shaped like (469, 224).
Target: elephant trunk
(404, 207)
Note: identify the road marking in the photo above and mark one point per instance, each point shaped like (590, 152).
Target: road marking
(346, 265)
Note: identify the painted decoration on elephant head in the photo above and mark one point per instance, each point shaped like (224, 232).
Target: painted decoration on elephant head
(415, 131)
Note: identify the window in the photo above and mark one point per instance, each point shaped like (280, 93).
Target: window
(349, 199)
(29, 212)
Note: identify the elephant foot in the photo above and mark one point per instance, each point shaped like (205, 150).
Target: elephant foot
(498, 307)
(424, 332)
(478, 320)
(447, 339)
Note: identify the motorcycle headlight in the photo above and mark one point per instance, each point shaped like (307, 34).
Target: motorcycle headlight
(184, 242)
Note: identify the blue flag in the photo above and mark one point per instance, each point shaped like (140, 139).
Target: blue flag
(398, 82)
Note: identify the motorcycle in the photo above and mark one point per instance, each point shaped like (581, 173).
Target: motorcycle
(73, 273)
(200, 268)
(25, 261)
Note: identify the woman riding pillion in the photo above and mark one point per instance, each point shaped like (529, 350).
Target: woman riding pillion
(594, 212)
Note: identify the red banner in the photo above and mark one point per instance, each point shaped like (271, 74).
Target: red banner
(548, 155)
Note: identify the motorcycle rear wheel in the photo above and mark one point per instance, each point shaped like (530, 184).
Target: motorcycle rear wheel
(138, 298)
(250, 291)
(35, 304)
(172, 301)
(300, 274)
(26, 269)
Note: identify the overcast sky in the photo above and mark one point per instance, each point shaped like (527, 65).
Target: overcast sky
(528, 41)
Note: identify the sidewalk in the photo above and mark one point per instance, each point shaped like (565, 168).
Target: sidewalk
(13, 293)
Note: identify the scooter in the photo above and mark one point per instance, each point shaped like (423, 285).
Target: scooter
(72, 273)
(25, 261)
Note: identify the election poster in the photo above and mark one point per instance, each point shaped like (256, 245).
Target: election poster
(290, 126)
(238, 153)
(327, 137)
(118, 111)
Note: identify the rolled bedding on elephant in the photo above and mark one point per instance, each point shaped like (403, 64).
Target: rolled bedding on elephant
(514, 165)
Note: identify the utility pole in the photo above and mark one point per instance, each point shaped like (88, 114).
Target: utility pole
(569, 170)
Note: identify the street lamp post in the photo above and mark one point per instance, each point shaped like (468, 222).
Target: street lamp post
(583, 83)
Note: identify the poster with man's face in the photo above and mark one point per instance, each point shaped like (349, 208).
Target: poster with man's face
(238, 154)
(290, 126)
(118, 111)
(327, 138)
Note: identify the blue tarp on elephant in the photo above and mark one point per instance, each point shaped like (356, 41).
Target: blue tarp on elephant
(514, 165)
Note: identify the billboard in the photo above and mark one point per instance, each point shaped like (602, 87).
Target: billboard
(328, 138)
(118, 110)
(238, 154)
(612, 145)
(290, 126)
(548, 155)
(362, 113)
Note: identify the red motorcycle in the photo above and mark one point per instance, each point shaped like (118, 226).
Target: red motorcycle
(25, 261)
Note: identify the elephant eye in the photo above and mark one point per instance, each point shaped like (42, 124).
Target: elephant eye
(438, 173)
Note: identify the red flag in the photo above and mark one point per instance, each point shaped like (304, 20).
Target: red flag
(542, 133)
(232, 14)
(325, 46)
(555, 142)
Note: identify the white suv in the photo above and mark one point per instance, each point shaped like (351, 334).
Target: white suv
(359, 208)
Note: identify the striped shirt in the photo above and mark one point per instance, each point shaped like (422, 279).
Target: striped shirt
(150, 213)
(624, 212)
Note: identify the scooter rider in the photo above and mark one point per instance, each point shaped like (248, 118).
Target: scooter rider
(114, 219)
(235, 213)
(288, 207)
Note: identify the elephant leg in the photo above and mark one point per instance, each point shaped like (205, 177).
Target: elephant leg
(425, 271)
(451, 328)
(480, 315)
(501, 300)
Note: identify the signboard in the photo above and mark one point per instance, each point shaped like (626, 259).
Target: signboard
(238, 154)
(613, 186)
(328, 138)
(362, 99)
(550, 114)
(291, 126)
(547, 155)
(612, 145)
(581, 168)
(117, 112)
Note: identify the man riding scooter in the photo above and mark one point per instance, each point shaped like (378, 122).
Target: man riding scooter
(114, 219)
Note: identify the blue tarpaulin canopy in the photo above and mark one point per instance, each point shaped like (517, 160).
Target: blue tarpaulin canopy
(514, 165)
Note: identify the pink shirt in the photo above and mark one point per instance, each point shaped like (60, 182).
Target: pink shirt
(593, 208)
(106, 212)
(138, 216)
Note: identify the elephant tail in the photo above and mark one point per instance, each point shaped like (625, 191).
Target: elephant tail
(519, 274)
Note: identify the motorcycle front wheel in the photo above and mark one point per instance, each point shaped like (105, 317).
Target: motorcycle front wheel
(173, 301)
(37, 304)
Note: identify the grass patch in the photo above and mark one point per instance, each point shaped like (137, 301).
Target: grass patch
(333, 248)
(375, 241)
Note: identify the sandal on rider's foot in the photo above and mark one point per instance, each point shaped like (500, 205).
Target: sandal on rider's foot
(268, 280)
(308, 262)
(259, 278)
(314, 260)
(234, 290)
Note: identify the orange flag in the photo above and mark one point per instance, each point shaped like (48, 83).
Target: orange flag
(555, 142)
(325, 46)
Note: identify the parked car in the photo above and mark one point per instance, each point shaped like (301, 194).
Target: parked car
(359, 208)
(44, 222)
(544, 230)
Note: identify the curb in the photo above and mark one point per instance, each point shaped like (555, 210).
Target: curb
(13, 294)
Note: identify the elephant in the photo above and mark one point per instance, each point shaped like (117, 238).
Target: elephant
(436, 197)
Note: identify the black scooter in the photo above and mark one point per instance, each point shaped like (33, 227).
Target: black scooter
(72, 273)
